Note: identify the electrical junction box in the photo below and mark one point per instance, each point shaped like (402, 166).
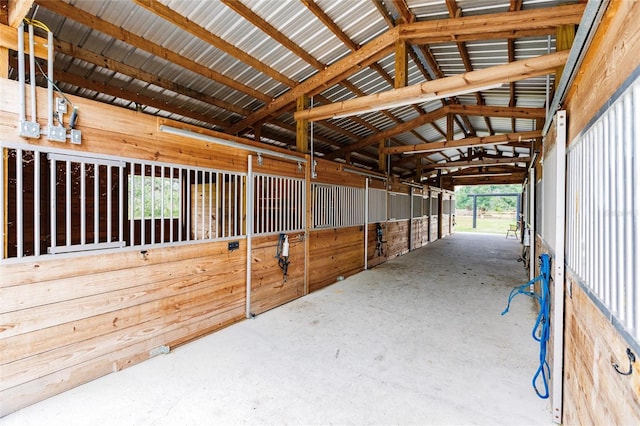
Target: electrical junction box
(76, 136)
(56, 134)
(29, 129)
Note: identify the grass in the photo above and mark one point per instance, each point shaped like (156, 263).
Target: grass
(487, 224)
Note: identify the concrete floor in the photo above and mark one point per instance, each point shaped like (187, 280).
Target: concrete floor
(417, 340)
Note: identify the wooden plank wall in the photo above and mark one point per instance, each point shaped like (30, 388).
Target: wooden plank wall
(335, 252)
(70, 319)
(594, 392)
(398, 230)
(62, 326)
(375, 258)
(268, 286)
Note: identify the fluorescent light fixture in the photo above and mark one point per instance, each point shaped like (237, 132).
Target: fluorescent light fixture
(219, 141)
(360, 172)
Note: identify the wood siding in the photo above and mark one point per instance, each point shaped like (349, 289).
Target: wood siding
(333, 253)
(69, 319)
(65, 322)
(268, 286)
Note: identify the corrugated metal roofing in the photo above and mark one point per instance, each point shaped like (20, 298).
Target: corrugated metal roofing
(360, 20)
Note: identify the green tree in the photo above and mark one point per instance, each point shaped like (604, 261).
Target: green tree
(464, 199)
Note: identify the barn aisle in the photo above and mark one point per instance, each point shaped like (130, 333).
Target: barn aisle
(416, 340)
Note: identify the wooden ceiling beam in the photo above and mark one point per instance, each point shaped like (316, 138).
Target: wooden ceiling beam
(207, 36)
(394, 131)
(444, 87)
(471, 27)
(137, 73)
(17, 11)
(100, 87)
(78, 15)
(477, 163)
(501, 25)
(514, 178)
(498, 111)
(264, 26)
(466, 142)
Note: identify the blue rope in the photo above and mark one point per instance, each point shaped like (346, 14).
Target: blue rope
(541, 326)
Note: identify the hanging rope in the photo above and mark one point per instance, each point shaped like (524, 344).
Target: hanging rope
(540, 332)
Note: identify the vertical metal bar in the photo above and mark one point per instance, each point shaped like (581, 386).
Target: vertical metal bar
(194, 213)
(249, 234)
(606, 231)
(83, 205)
(67, 212)
(36, 203)
(132, 202)
(19, 204)
(171, 202)
(202, 233)
(163, 183)
(109, 204)
(32, 72)
(223, 195)
(619, 209)
(121, 204)
(96, 203)
(152, 194)
(218, 215)
(558, 266)
(21, 75)
(50, 59)
(366, 223)
(600, 211)
(143, 207)
(635, 260)
(230, 206)
(188, 210)
(236, 203)
(210, 204)
(628, 189)
(3, 153)
(53, 169)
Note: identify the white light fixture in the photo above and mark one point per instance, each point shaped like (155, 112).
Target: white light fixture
(219, 141)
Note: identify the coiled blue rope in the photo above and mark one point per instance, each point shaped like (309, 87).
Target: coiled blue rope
(541, 326)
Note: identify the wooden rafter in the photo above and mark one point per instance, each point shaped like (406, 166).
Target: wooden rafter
(408, 16)
(523, 23)
(476, 163)
(394, 131)
(278, 36)
(207, 36)
(78, 15)
(444, 87)
(466, 142)
(471, 28)
(17, 10)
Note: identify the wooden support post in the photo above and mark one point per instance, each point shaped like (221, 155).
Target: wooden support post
(302, 126)
(564, 40)
(4, 62)
(257, 131)
(347, 158)
(402, 63)
(449, 127)
(418, 169)
(382, 157)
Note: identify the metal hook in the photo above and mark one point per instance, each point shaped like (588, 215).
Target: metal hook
(632, 359)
